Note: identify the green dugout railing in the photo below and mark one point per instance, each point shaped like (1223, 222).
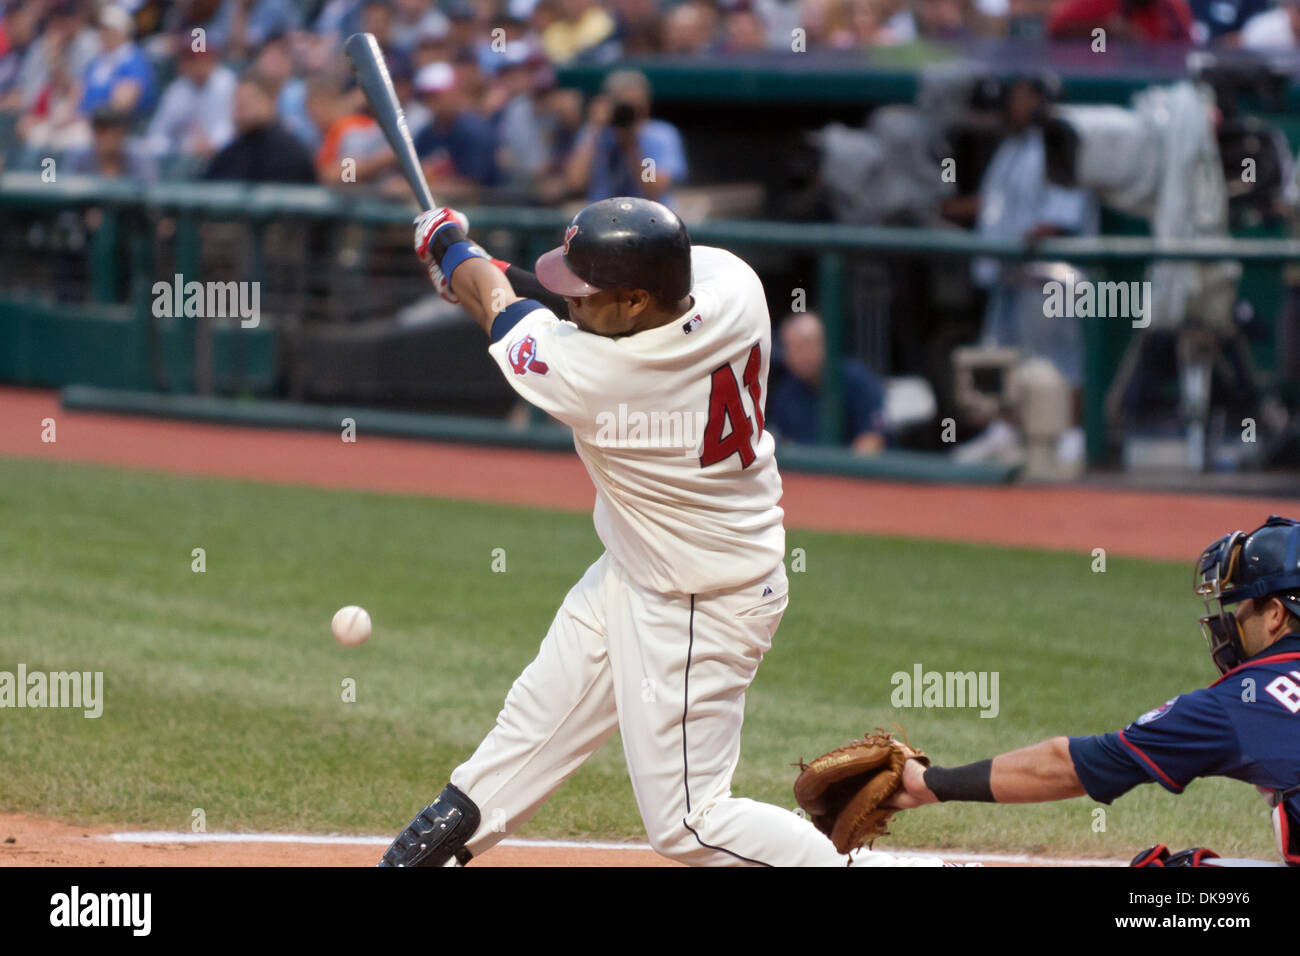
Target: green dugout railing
(831, 244)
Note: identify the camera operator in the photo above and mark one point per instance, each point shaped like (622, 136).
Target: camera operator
(1017, 203)
(621, 150)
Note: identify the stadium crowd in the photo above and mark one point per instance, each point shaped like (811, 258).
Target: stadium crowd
(258, 90)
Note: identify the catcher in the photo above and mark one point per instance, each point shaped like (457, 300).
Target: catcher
(1246, 725)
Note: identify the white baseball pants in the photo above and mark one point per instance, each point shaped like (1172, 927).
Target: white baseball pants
(670, 672)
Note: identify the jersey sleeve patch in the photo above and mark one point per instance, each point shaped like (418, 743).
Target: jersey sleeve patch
(1189, 736)
(534, 357)
(523, 357)
(1156, 712)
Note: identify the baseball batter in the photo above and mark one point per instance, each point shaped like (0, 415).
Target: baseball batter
(627, 325)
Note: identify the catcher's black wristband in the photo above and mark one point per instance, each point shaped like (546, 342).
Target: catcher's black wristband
(970, 782)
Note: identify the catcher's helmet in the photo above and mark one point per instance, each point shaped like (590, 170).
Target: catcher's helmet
(1259, 564)
(621, 243)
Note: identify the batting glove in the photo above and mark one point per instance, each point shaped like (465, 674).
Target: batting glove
(427, 225)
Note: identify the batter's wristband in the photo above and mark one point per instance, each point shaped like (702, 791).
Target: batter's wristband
(457, 254)
(443, 238)
(970, 782)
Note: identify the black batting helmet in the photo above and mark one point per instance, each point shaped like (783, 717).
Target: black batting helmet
(1263, 563)
(621, 243)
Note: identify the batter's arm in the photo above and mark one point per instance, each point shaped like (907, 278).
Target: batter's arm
(483, 290)
(1043, 771)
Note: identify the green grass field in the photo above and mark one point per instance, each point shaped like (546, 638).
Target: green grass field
(223, 690)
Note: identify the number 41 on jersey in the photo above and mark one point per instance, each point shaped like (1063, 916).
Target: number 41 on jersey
(729, 430)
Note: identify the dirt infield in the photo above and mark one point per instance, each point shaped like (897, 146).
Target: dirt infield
(37, 842)
(1136, 524)
(31, 841)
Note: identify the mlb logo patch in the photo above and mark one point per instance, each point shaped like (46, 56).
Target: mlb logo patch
(1156, 713)
(523, 357)
(691, 324)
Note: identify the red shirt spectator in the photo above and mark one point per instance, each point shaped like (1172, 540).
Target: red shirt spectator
(1154, 21)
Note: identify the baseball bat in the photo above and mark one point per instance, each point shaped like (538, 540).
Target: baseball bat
(372, 76)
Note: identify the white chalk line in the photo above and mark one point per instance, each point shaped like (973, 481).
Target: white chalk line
(334, 839)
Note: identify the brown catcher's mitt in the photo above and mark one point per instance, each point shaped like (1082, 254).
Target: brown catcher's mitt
(841, 791)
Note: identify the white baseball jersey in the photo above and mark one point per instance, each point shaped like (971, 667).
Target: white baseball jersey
(669, 423)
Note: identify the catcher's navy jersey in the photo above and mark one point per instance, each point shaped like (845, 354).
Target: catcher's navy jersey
(1246, 725)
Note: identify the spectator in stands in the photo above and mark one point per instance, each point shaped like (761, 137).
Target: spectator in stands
(503, 40)
(115, 154)
(689, 29)
(119, 77)
(793, 407)
(337, 20)
(859, 24)
(637, 27)
(458, 147)
(194, 117)
(825, 24)
(1026, 19)
(471, 80)
(559, 111)
(353, 149)
(942, 19)
(241, 26)
(18, 30)
(47, 92)
(54, 125)
(576, 29)
(622, 151)
(431, 48)
(1219, 21)
(464, 24)
(414, 20)
(1147, 21)
(377, 19)
(274, 65)
(1276, 29)
(893, 23)
(521, 152)
(65, 46)
(264, 151)
(743, 30)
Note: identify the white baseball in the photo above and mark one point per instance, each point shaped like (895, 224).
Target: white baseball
(351, 625)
